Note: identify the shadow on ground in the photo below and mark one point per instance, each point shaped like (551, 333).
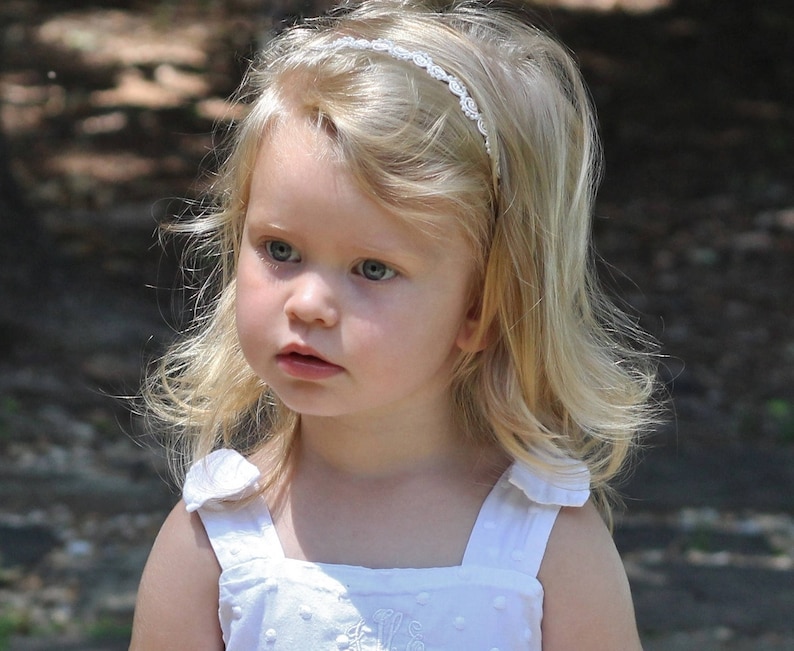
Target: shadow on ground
(107, 115)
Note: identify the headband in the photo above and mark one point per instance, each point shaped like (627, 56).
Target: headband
(423, 60)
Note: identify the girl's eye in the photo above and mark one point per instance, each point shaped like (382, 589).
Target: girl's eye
(281, 251)
(374, 270)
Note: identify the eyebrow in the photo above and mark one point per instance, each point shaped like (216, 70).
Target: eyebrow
(371, 248)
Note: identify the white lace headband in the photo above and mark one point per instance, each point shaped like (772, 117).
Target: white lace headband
(423, 60)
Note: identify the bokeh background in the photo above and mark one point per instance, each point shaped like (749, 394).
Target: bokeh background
(107, 114)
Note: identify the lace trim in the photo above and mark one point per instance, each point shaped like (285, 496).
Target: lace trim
(224, 475)
(569, 486)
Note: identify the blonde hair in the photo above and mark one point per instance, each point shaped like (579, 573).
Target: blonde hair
(564, 373)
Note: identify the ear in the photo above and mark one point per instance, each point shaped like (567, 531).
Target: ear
(471, 338)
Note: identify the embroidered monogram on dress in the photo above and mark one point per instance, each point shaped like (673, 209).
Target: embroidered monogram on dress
(388, 623)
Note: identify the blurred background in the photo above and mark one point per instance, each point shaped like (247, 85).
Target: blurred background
(107, 113)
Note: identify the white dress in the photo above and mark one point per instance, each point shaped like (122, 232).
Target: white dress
(491, 602)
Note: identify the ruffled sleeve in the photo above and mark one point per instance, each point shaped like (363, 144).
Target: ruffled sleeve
(569, 486)
(222, 476)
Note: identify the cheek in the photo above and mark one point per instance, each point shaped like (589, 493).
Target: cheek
(242, 318)
(421, 336)
(250, 308)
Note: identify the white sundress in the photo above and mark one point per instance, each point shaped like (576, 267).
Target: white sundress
(492, 601)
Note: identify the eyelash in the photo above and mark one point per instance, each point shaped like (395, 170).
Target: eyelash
(287, 252)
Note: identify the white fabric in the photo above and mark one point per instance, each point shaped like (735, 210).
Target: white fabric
(492, 601)
(222, 476)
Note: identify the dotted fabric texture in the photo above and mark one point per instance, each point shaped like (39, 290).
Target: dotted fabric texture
(492, 601)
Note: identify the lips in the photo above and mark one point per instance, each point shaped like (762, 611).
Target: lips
(304, 363)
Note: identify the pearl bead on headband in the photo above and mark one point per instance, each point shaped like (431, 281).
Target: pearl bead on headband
(423, 60)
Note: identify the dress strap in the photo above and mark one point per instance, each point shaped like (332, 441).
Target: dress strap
(511, 532)
(222, 489)
(516, 520)
(241, 534)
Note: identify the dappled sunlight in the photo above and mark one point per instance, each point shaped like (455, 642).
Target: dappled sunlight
(629, 6)
(102, 103)
(110, 168)
(169, 88)
(114, 37)
(127, 42)
(25, 103)
(101, 124)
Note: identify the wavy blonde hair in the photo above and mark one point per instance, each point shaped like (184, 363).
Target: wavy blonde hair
(564, 373)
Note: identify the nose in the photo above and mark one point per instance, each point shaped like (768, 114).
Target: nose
(311, 300)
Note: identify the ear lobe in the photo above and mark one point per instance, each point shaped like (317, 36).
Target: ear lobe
(470, 337)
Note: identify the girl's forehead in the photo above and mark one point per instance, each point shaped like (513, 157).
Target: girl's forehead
(297, 158)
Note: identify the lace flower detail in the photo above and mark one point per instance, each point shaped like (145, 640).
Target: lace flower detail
(222, 476)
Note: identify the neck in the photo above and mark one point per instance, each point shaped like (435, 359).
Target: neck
(367, 446)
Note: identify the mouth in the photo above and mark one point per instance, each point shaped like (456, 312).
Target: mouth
(302, 358)
(306, 364)
(299, 351)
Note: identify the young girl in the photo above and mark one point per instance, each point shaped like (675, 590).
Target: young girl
(406, 395)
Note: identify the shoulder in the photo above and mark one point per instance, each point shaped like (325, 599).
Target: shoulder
(587, 603)
(177, 601)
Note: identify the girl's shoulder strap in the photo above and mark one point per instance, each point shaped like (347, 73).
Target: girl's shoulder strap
(218, 487)
(516, 519)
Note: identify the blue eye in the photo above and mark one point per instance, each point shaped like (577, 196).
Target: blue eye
(281, 251)
(374, 270)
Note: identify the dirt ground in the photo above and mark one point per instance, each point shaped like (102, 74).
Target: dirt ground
(108, 111)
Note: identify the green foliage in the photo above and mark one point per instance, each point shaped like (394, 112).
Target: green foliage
(11, 623)
(109, 628)
(701, 540)
(781, 412)
(9, 407)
